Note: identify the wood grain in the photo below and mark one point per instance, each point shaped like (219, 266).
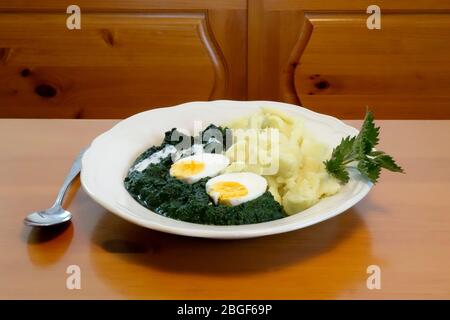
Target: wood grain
(135, 55)
(255, 20)
(400, 71)
(322, 56)
(122, 5)
(356, 5)
(403, 226)
(119, 63)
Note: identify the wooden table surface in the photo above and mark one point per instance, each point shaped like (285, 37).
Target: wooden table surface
(402, 226)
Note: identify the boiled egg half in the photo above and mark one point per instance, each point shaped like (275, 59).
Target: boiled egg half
(193, 168)
(232, 189)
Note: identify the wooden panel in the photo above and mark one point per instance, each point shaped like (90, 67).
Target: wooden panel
(400, 71)
(167, 52)
(321, 55)
(229, 28)
(357, 5)
(122, 5)
(117, 64)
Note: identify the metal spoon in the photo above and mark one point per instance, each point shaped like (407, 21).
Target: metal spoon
(56, 214)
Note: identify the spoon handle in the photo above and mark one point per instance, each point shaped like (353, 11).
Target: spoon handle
(74, 171)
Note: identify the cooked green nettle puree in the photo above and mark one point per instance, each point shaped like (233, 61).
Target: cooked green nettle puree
(156, 189)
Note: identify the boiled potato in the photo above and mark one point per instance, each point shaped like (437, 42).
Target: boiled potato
(277, 146)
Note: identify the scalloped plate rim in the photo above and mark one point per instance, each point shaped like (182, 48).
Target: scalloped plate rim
(169, 225)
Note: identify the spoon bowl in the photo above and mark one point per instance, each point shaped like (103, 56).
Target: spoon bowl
(49, 217)
(56, 214)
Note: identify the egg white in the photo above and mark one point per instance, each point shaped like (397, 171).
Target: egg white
(213, 165)
(255, 184)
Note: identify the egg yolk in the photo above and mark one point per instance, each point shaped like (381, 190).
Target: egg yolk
(184, 169)
(228, 190)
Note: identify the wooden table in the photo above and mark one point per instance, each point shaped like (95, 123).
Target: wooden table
(403, 226)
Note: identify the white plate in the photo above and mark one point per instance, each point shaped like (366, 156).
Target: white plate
(106, 162)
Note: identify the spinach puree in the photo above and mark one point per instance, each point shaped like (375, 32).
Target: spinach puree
(155, 189)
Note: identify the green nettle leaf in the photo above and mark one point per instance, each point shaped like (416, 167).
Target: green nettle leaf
(360, 149)
(334, 167)
(370, 169)
(346, 146)
(387, 162)
(367, 137)
(342, 175)
(376, 153)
